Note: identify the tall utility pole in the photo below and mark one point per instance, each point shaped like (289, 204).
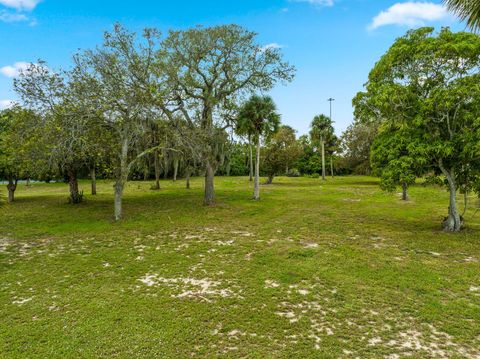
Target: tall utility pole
(331, 100)
(331, 157)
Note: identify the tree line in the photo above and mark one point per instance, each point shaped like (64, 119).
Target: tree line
(193, 103)
(137, 101)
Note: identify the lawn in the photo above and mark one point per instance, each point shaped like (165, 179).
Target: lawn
(313, 270)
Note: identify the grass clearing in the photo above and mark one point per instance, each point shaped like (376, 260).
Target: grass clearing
(335, 269)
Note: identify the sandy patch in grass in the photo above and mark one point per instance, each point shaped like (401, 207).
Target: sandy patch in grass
(242, 233)
(425, 341)
(182, 246)
(193, 236)
(5, 243)
(225, 243)
(374, 341)
(271, 284)
(379, 329)
(140, 248)
(21, 301)
(189, 287)
(470, 260)
(303, 292)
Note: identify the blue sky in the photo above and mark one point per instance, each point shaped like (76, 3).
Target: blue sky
(332, 43)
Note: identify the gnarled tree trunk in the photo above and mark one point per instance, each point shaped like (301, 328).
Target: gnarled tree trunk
(75, 196)
(453, 223)
(209, 198)
(93, 176)
(256, 186)
(11, 187)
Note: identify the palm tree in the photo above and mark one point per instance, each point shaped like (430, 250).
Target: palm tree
(258, 118)
(246, 132)
(320, 133)
(468, 10)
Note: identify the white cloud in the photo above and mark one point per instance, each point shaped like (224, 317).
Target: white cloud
(273, 45)
(410, 14)
(4, 104)
(19, 14)
(20, 4)
(6, 16)
(317, 2)
(15, 69)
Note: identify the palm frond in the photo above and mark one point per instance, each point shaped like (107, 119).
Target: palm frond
(467, 10)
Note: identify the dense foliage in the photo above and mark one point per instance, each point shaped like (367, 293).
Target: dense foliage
(425, 94)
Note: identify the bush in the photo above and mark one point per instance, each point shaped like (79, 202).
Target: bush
(313, 175)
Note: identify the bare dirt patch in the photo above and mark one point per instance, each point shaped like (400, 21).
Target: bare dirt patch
(204, 289)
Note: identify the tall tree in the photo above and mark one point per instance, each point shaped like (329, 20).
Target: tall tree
(210, 70)
(15, 146)
(355, 145)
(116, 79)
(322, 134)
(259, 117)
(62, 138)
(427, 86)
(281, 152)
(392, 159)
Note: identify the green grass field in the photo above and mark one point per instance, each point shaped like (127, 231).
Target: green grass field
(314, 270)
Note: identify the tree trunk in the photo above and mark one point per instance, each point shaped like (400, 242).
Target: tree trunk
(118, 189)
(157, 171)
(270, 179)
(28, 181)
(404, 191)
(453, 223)
(188, 178)
(121, 180)
(250, 158)
(228, 168)
(93, 176)
(323, 160)
(209, 199)
(256, 186)
(175, 169)
(12, 186)
(331, 167)
(75, 196)
(165, 165)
